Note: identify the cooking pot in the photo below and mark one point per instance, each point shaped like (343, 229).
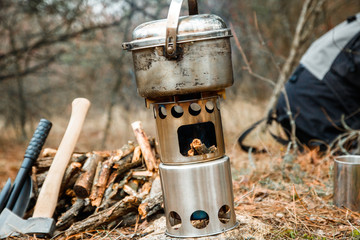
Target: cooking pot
(181, 55)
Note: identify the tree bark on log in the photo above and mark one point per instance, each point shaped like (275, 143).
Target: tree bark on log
(49, 152)
(112, 190)
(137, 154)
(100, 186)
(68, 217)
(43, 164)
(142, 139)
(126, 205)
(69, 177)
(83, 184)
(154, 200)
(151, 205)
(124, 151)
(124, 167)
(40, 178)
(93, 193)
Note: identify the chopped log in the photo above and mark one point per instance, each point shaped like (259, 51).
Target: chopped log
(112, 191)
(69, 177)
(112, 178)
(124, 167)
(131, 187)
(121, 208)
(126, 221)
(70, 192)
(145, 189)
(142, 139)
(198, 148)
(40, 178)
(119, 163)
(49, 152)
(94, 187)
(100, 186)
(137, 154)
(80, 158)
(104, 154)
(142, 174)
(43, 164)
(151, 205)
(35, 182)
(69, 217)
(124, 150)
(83, 184)
(153, 202)
(106, 201)
(109, 188)
(129, 190)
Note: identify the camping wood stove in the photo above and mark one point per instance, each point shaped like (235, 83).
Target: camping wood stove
(182, 67)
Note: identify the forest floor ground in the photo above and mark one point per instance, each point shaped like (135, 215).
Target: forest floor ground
(277, 196)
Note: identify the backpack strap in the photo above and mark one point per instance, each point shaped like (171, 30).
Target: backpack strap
(280, 139)
(244, 134)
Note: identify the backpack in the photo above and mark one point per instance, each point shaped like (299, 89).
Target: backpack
(323, 91)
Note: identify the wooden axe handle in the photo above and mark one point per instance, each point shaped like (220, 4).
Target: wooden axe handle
(48, 197)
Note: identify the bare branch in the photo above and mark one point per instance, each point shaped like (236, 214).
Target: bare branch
(32, 69)
(61, 38)
(248, 67)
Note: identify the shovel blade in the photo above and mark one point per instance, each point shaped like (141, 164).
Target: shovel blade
(4, 195)
(23, 200)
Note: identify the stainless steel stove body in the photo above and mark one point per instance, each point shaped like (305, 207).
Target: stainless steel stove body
(182, 67)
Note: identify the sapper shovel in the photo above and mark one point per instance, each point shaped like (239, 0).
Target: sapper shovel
(16, 197)
(42, 222)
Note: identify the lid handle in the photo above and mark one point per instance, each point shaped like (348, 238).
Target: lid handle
(172, 25)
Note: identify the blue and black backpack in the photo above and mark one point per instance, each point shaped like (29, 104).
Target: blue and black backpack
(324, 90)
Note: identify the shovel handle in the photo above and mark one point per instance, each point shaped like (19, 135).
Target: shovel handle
(48, 197)
(32, 153)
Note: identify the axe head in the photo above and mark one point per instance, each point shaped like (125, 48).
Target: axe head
(13, 225)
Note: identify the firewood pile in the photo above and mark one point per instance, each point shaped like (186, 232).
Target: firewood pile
(104, 189)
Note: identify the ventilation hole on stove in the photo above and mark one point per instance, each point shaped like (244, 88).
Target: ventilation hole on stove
(175, 220)
(162, 112)
(154, 111)
(177, 111)
(224, 214)
(194, 109)
(199, 219)
(209, 106)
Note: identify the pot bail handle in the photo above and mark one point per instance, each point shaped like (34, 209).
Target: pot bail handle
(172, 24)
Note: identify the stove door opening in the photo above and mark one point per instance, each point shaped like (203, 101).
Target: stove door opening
(197, 139)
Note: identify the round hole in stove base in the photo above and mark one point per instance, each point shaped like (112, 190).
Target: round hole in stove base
(199, 219)
(175, 220)
(224, 214)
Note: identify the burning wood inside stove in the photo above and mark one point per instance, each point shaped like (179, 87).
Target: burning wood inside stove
(198, 148)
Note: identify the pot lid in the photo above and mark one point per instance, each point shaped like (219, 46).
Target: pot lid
(190, 28)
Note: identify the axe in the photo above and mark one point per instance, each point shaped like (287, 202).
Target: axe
(42, 223)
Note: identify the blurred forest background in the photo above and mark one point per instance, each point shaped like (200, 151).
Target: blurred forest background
(52, 51)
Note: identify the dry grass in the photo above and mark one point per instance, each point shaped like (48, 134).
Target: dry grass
(293, 198)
